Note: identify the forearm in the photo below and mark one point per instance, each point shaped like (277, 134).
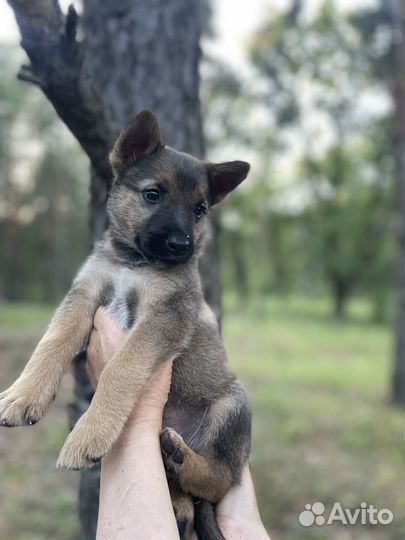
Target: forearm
(237, 514)
(134, 496)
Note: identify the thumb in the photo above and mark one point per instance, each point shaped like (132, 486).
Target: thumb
(151, 404)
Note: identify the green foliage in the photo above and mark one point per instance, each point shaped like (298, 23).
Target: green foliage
(43, 190)
(351, 222)
(326, 222)
(375, 25)
(224, 100)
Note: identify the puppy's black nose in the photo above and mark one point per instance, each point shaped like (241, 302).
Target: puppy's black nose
(178, 243)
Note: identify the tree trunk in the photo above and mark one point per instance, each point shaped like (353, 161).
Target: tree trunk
(340, 295)
(235, 241)
(144, 55)
(275, 243)
(398, 378)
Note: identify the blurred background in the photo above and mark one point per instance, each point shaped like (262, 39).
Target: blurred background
(311, 92)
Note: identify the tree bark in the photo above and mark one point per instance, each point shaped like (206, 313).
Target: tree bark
(341, 293)
(234, 242)
(57, 67)
(398, 378)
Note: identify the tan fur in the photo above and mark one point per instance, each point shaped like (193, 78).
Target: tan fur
(119, 387)
(28, 399)
(200, 475)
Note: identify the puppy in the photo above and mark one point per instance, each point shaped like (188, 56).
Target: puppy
(145, 272)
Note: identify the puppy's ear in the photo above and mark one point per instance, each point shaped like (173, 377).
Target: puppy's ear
(140, 138)
(224, 177)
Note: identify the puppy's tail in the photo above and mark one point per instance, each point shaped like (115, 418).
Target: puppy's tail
(205, 522)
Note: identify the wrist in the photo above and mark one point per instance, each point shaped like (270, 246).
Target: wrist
(145, 417)
(244, 528)
(142, 436)
(142, 427)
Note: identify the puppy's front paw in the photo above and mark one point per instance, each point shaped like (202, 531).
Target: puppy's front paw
(22, 407)
(173, 450)
(75, 455)
(83, 447)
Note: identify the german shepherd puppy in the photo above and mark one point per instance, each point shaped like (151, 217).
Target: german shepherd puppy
(145, 272)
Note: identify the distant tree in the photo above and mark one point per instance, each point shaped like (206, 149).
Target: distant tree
(58, 234)
(315, 74)
(398, 386)
(383, 32)
(224, 101)
(12, 97)
(352, 232)
(42, 206)
(230, 107)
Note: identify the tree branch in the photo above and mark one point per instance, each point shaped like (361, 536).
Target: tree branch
(58, 67)
(26, 74)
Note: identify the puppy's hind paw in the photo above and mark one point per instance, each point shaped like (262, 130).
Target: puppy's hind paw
(173, 450)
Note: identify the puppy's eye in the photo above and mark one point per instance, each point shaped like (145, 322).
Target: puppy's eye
(151, 196)
(201, 210)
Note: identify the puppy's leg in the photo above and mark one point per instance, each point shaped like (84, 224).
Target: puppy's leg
(183, 510)
(199, 474)
(210, 472)
(29, 397)
(119, 387)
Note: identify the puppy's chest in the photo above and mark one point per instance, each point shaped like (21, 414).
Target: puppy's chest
(123, 297)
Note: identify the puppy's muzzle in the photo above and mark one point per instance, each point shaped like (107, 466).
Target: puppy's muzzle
(179, 244)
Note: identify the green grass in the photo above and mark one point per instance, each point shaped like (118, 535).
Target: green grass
(323, 430)
(27, 318)
(323, 426)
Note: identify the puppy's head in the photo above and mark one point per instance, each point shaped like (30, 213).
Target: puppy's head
(160, 197)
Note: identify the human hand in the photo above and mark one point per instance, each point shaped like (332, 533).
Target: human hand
(105, 340)
(134, 495)
(237, 514)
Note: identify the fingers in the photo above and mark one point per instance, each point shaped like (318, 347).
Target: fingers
(92, 374)
(158, 388)
(110, 333)
(161, 380)
(149, 409)
(105, 339)
(93, 347)
(103, 319)
(95, 360)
